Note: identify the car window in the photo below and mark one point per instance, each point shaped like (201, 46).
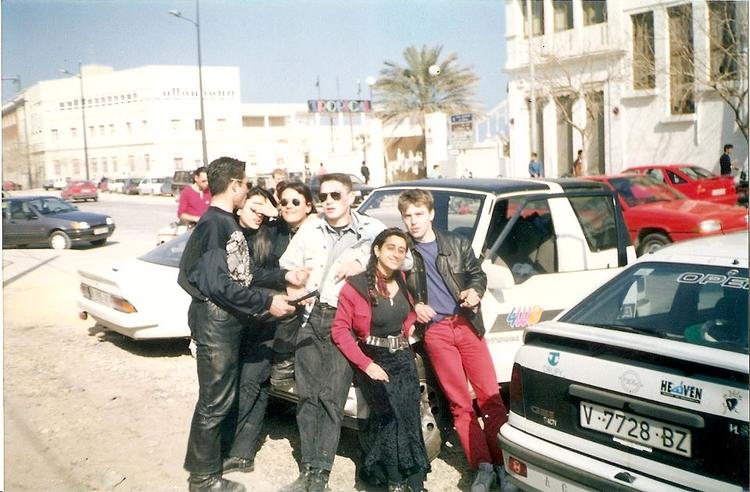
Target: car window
(656, 174)
(696, 304)
(675, 178)
(47, 206)
(639, 190)
(596, 214)
(696, 172)
(6, 209)
(530, 247)
(454, 210)
(169, 253)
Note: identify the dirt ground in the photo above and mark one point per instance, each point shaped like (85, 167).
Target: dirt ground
(86, 409)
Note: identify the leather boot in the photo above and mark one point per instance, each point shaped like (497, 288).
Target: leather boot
(234, 463)
(302, 482)
(319, 481)
(213, 483)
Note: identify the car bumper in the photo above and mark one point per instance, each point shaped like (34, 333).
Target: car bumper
(550, 467)
(137, 326)
(93, 234)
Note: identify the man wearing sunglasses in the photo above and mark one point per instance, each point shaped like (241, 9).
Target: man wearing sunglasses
(335, 245)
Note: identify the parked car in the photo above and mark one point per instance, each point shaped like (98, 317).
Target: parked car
(115, 185)
(180, 180)
(46, 220)
(150, 186)
(657, 215)
(130, 186)
(80, 190)
(360, 189)
(692, 181)
(11, 186)
(642, 385)
(55, 183)
(166, 187)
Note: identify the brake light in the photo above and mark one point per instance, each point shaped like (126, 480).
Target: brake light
(516, 391)
(517, 466)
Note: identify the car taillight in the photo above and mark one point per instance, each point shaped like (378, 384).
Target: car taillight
(517, 467)
(122, 305)
(85, 291)
(516, 391)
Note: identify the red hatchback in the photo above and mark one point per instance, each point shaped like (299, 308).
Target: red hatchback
(80, 190)
(692, 181)
(657, 214)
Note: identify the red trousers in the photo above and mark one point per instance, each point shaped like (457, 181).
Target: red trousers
(457, 353)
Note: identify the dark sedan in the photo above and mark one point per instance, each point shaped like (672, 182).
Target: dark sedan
(45, 220)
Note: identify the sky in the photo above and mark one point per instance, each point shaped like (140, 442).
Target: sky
(280, 46)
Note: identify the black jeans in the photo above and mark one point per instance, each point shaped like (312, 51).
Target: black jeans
(219, 337)
(323, 377)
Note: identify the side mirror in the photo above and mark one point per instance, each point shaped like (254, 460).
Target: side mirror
(498, 276)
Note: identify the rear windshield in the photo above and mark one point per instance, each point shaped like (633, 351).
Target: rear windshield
(169, 253)
(697, 304)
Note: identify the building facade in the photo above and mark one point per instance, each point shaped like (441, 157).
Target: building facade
(636, 82)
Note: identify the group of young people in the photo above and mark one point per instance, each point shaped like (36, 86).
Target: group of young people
(344, 295)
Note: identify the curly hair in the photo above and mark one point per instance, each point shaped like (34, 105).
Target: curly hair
(376, 285)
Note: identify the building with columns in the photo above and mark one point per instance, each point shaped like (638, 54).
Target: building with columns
(627, 82)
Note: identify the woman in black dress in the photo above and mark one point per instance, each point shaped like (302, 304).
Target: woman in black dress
(374, 319)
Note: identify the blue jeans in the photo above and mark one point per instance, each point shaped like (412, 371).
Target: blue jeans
(323, 377)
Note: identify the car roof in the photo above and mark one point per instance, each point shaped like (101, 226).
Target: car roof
(31, 197)
(499, 185)
(650, 166)
(722, 249)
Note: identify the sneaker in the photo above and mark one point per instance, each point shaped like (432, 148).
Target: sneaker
(234, 463)
(500, 474)
(302, 482)
(484, 479)
(318, 481)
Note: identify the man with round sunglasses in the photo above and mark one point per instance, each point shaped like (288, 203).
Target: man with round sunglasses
(335, 245)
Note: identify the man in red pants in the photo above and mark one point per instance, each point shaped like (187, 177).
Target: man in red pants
(448, 282)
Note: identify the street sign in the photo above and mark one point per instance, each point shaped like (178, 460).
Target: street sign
(462, 131)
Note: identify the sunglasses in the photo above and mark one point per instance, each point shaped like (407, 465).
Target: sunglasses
(295, 201)
(336, 195)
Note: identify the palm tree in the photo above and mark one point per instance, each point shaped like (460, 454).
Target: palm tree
(412, 91)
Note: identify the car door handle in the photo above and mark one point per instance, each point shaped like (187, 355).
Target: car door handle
(641, 407)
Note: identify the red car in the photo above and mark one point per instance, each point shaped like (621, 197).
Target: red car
(692, 181)
(80, 190)
(657, 215)
(11, 186)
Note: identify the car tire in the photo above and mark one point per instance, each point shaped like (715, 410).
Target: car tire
(58, 240)
(99, 242)
(652, 242)
(96, 199)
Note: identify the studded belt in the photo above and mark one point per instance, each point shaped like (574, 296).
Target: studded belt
(392, 343)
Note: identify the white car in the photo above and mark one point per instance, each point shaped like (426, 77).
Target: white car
(643, 385)
(140, 298)
(150, 186)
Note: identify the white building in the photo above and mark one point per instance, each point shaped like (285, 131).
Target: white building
(612, 76)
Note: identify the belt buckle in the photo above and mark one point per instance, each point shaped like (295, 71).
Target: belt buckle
(392, 344)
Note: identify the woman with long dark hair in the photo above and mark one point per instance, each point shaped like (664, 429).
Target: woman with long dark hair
(376, 308)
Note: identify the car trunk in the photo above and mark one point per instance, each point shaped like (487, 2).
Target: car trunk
(681, 413)
(714, 188)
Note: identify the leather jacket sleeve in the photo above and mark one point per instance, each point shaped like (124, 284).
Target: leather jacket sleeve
(475, 277)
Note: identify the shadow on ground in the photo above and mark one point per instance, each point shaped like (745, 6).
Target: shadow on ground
(172, 347)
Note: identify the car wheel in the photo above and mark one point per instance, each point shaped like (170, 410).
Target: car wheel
(59, 240)
(96, 199)
(653, 242)
(99, 242)
(428, 407)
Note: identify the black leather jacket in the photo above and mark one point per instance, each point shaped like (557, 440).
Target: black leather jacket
(460, 270)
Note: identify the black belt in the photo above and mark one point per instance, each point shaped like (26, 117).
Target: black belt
(392, 343)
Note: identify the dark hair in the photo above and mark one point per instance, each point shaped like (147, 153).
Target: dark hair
(222, 171)
(728, 146)
(580, 152)
(263, 238)
(371, 270)
(198, 171)
(300, 188)
(342, 178)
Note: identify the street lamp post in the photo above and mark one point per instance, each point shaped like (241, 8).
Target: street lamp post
(83, 117)
(197, 24)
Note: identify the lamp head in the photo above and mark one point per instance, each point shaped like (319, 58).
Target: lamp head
(370, 81)
(176, 13)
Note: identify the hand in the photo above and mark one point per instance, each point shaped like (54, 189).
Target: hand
(469, 297)
(348, 269)
(376, 372)
(410, 331)
(280, 307)
(424, 312)
(298, 276)
(296, 293)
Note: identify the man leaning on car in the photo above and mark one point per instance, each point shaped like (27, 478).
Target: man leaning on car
(215, 270)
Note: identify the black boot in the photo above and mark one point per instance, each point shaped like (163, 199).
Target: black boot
(302, 482)
(319, 481)
(213, 483)
(234, 463)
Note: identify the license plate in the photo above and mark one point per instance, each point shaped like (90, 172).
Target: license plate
(101, 230)
(718, 192)
(99, 296)
(636, 429)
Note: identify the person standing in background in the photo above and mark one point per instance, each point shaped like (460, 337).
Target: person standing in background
(726, 164)
(365, 172)
(578, 164)
(194, 199)
(536, 169)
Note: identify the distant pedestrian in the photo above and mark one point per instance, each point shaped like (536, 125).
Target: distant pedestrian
(578, 164)
(536, 169)
(322, 170)
(435, 172)
(725, 161)
(278, 176)
(365, 172)
(194, 199)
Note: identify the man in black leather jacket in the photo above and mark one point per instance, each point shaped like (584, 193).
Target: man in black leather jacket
(447, 282)
(215, 270)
